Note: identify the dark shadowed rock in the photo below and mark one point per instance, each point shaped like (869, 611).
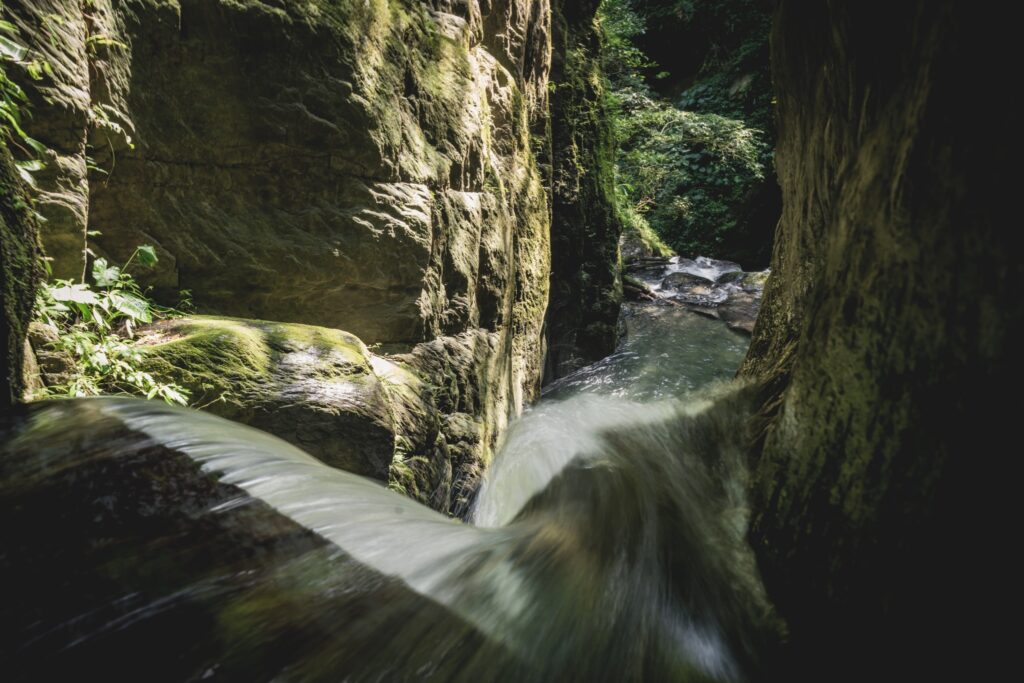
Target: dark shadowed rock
(886, 343)
(19, 273)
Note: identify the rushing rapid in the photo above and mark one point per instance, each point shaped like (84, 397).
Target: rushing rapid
(150, 542)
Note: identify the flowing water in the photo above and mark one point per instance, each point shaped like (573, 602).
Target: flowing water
(144, 542)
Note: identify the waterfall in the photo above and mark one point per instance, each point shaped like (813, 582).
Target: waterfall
(606, 543)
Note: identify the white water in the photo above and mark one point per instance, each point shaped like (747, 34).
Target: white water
(608, 542)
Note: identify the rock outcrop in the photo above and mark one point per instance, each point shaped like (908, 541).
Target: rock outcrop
(885, 346)
(312, 386)
(19, 273)
(586, 288)
(360, 173)
(417, 421)
(374, 167)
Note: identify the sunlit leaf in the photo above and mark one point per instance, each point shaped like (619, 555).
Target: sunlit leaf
(12, 50)
(147, 255)
(132, 306)
(103, 274)
(79, 294)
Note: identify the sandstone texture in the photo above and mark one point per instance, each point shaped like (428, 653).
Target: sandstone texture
(379, 167)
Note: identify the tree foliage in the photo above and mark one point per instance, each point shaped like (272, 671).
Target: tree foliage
(691, 165)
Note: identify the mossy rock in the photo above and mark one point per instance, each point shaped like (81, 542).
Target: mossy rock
(311, 386)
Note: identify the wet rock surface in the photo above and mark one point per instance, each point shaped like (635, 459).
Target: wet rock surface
(422, 421)
(375, 167)
(716, 289)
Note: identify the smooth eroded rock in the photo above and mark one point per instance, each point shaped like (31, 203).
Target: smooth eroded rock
(311, 386)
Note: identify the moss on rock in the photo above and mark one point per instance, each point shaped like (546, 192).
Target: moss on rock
(586, 289)
(309, 385)
(19, 273)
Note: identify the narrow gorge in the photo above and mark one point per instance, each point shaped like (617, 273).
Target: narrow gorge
(520, 340)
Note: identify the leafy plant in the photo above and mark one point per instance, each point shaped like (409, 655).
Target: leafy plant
(96, 325)
(13, 99)
(690, 169)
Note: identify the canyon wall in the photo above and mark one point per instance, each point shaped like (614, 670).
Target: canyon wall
(886, 343)
(586, 292)
(382, 167)
(19, 273)
(373, 167)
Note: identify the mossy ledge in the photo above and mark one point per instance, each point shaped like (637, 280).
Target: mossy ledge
(323, 390)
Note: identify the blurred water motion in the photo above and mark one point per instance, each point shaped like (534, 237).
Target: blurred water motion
(144, 542)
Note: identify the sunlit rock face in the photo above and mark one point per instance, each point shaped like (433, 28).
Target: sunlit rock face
(348, 164)
(369, 166)
(884, 340)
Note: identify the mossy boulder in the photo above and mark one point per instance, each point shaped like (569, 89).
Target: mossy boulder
(311, 386)
(390, 418)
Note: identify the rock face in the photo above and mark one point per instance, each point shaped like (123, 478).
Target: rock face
(367, 166)
(586, 289)
(19, 272)
(884, 345)
(322, 390)
(362, 173)
(311, 386)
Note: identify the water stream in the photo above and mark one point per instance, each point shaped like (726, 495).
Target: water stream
(146, 542)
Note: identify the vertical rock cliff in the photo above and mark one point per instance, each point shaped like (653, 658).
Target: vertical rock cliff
(886, 344)
(19, 273)
(586, 291)
(367, 166)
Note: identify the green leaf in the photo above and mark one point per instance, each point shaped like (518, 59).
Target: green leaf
(39, 147)
(12, 50)
(26, 176)
(147, 255)
(172, 395)
(132, 306)
(103, 274)
(79, 294)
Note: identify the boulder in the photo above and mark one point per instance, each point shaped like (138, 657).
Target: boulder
(682, 280)
(425, 422)
(311, 386)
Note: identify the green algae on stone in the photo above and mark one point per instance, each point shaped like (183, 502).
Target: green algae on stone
(19, 273)
(311, 386)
